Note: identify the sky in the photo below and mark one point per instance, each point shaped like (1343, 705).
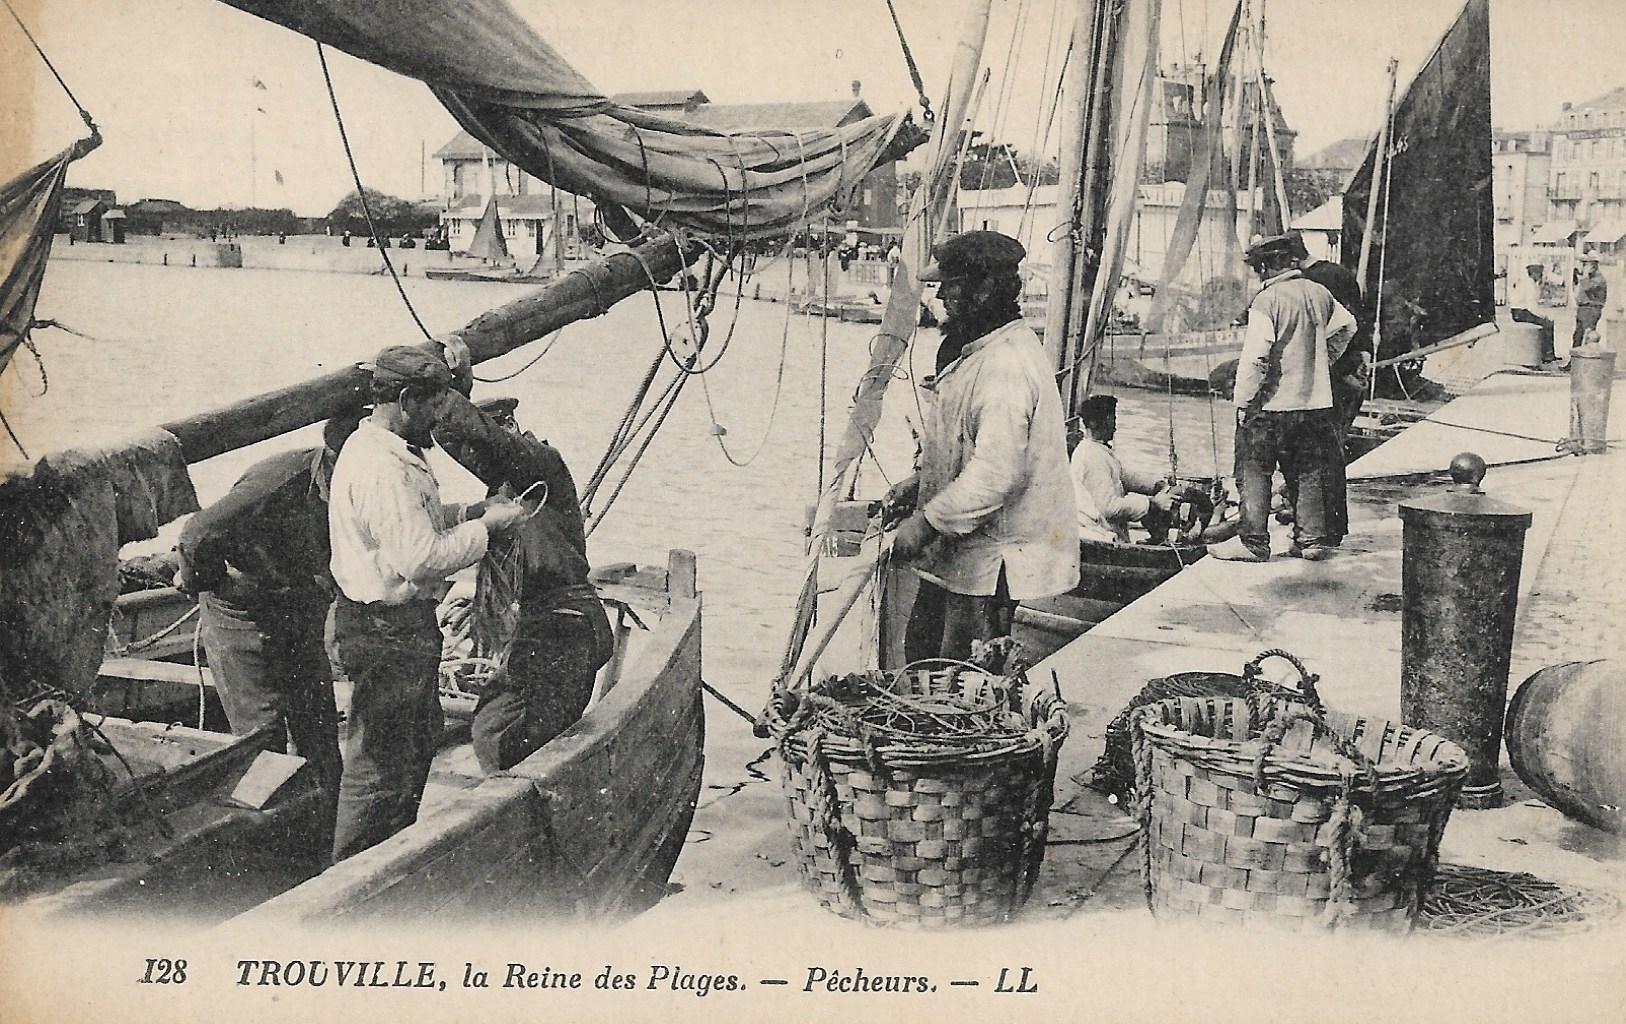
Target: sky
(170, 81)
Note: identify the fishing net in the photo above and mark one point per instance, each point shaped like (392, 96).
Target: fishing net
(1477, 901)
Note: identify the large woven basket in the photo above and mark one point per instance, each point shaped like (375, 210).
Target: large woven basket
(894, 829)
(1263, 809)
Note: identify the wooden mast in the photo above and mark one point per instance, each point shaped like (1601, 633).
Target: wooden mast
(584, 293)
(1067, 257)
(1380, 156)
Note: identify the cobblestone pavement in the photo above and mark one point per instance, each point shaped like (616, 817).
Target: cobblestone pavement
(1575, 609)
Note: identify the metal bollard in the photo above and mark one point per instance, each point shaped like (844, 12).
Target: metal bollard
(1460, 592)
(1592, 372)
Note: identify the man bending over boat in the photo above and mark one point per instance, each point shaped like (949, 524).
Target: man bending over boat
(1296, 331)
(534, 611)
(394, 543)
(257, 560)
(1109, 495)
(992, 512)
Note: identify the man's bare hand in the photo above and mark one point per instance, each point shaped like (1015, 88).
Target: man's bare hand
(913, 536)
(502, 513)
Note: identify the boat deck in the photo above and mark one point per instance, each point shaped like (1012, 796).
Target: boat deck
(1342, 617)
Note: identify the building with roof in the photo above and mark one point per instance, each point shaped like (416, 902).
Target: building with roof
(1173, 127)
(1521, 164)
(1031, 218)
(471, 172)
(85, 219)
(1587, 183)
(72, 196)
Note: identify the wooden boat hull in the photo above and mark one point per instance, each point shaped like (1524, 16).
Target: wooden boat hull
(589, 825)
(1110, 577)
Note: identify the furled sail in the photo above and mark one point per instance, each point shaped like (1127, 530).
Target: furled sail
(1432, 253)
(29, 208)
(516, 94)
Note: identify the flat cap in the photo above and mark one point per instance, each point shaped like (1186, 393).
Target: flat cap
(1272, 247)
(498, 407)
(404, 364)
(973, 253)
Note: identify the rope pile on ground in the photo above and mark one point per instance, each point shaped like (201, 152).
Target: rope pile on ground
(1480, 901)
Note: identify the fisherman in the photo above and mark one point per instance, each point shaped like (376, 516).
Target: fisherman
(533, 604)
(1351, 379)
(1591, 292)
(1524, 304)
(989, 513)
(257, 560)
(394, 543)
(1296, 330)
(1109, 495)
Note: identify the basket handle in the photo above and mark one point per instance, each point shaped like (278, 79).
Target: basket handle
(1251, 673)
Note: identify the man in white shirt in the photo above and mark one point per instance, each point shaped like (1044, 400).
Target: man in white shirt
(1524, 305)
(1109, 495)
(992, 503)
(394, 543)
(1296, 331)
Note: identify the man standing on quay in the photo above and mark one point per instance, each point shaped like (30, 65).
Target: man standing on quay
(993, 518)
(1591, 292)
(394, 544)
(1283, 397)
(1351, 377)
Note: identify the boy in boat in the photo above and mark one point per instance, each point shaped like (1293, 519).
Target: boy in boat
(394, 543)
(991, 511)
(257, 560)
(1296, 330)
(534, 608)
(1110, 496)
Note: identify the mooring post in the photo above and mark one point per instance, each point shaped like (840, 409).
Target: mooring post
(1460, 592)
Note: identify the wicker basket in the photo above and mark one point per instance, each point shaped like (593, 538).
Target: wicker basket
(1264, 809)
(898, 829)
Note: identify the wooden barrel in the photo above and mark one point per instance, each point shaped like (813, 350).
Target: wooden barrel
(1566, 737)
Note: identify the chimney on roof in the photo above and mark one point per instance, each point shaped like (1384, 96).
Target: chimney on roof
(857, 88)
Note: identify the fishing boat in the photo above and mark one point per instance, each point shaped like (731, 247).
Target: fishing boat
(590, 824)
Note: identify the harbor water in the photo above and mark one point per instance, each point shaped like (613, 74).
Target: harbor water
(156, 343)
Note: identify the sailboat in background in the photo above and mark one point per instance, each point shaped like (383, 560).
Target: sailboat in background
(487, 257)
(1108, 97)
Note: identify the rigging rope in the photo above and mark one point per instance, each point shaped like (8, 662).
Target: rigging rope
(361, 193)
(546, 348)
(83, 113)
(914, 69)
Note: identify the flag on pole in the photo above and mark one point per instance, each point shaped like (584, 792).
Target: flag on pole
(277, 176)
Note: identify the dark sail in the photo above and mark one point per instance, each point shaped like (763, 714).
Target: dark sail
(1436, 258)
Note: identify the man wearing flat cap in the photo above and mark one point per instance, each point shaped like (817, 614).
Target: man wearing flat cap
(257, 560)
(394, 543)
(1296, 330)
(993, 520)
